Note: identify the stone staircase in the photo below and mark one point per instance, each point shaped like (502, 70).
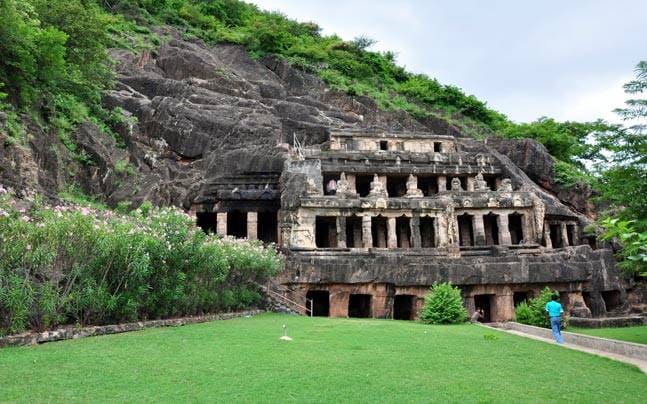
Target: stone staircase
(277, 301)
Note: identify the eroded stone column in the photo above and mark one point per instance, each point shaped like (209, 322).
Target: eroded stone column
(341, 232)
(252, 225)
(338, 302)
(221, 223)
(442, 183)
(547, 239)
(503, 307)
(352, 183)
(562, 228)
(392, 239)
(504, 231)
(367, 235)
(414, 225)
(479, 229)
(470, 184)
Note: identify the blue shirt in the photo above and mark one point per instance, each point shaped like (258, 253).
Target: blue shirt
(554, 309)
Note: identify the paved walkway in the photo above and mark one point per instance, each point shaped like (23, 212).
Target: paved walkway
(642, 365)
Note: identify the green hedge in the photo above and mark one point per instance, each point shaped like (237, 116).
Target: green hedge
(79, 265)
(443, 305)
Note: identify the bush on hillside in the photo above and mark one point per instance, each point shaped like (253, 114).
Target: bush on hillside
(443, 305)
(81, 265)
(533, 312)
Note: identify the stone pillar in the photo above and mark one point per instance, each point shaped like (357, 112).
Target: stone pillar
(576, 234)
(221, 223)
(341, 231)
(547, 240)
(562, 228)
(338, 302)
(470, 184)
(391, 238)
(252, 225)
(479, 229)
(503, 307)
(504, 231)
(468, 301)
(367, 235)
(442, 183)
(414, 225)
(352, 183)
(527, 229)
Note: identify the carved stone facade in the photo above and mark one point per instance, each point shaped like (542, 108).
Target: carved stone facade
(371, 222)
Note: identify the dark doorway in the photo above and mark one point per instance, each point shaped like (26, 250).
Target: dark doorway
(587, 299)
(519, 297)
(427, 232)
(484, 302)
(556, 235)
(353, 232)
(207, 221)
(428, 185)
(378, 230)
(359, 306)
(267, 227)
(437, 147)
(570, 233)
(516, 228)
(403, 307)
(592, 242)
(611, 299)
(326, 179)
(403, 232)
(396, 186)
(363, 184)
(237, 223)
(384, 145)
(320, 302)
(326, 232)
(490, 223)
(490, 180)
(465, 230)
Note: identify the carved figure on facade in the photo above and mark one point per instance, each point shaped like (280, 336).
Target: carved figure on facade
(377, 188)
(311, 187)
(480, 184)
(506, 185)
(343, 187)
(482, 160)
(412, 187)
(456, 184)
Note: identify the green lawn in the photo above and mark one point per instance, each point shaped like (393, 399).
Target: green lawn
(329, 360)
(636, 334)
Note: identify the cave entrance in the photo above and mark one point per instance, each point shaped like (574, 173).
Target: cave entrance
(404, 307)
(207, 221)
(363, 184)
(326, 232)
(427, 232)
(267, 227)
(515, 227)
(378, 230)
(556, 235)
(384, 145)
(465, 230)
(326, 180)
(359, 306)
(519, 297)
(396, 186)
(490, 180)
(437, 147)
(484, 302)
(570, 234)
(611, 299)
(353, 232)
(320, 302)
(403, 231)
(428, 185)
(237, 223)
(490, 223)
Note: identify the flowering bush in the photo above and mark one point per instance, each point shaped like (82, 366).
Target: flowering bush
(81, 265)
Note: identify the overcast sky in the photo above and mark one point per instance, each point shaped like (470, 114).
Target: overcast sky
(566, 59)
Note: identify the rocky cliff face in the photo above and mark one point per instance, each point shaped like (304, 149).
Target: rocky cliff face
(208, 112)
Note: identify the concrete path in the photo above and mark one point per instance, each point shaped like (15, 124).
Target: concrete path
(641, 364)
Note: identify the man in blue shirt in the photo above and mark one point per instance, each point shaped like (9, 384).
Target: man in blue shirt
(555, 311)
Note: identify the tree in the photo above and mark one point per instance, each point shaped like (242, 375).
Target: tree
(443, 305)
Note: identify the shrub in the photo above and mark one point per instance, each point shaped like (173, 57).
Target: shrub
(87, 265)
(443, 305)
(533, 312)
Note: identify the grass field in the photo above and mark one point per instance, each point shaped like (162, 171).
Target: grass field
(329, 360)
(632, 334)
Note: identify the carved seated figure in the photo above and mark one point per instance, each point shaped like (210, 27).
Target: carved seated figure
(480, 184)
(456, 184)
(343, 187)
(412, 188)
(377, 188)
(506, 185)
(311, 187)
